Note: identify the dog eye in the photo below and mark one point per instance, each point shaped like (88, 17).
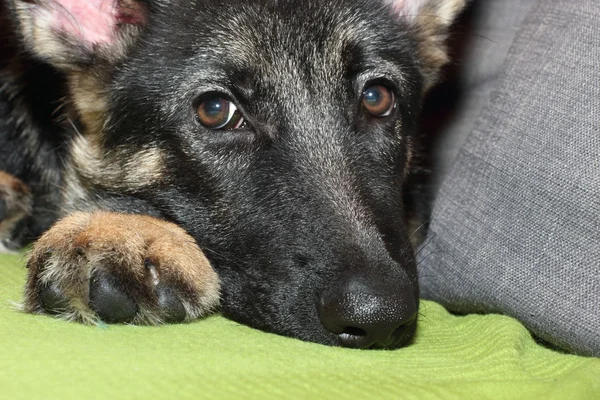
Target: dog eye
(219, 113)
(378, 100)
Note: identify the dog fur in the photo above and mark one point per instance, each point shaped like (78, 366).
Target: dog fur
(304, 200)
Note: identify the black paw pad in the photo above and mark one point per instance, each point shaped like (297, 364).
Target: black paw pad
(53, 299)
(170, 305)
(110, 302)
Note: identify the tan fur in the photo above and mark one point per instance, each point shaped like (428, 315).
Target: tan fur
(87, 77)
(35, 32)
(88, 99)
(144, 167)
(431, 26)
(73, 192)
(13, 183)
(61, 51)
(138, 168)
(124, 246)
(19, 203)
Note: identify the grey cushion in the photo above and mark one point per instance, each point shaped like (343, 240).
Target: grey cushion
(483, 37)
(516, 223)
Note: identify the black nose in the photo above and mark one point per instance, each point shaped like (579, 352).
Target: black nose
(369, 315)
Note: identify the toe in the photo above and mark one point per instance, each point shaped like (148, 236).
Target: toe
(53, 299)
(109, 301)
(172, 308)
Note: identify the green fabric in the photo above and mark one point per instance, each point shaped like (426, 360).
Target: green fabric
(470, 357)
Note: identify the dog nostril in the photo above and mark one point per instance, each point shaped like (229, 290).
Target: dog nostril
(364, 319)
(354, 337)
(352, 331)
(377, 336)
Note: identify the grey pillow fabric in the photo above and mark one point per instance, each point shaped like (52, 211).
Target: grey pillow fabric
(484, 34)
(516, 224)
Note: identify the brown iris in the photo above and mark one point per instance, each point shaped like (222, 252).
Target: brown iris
(219, 113)
(378, 100)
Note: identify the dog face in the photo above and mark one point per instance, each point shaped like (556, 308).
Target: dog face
(277, 133)
(302, 201)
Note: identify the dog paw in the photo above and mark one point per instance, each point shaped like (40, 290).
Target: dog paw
(119, 268)
(15, 204)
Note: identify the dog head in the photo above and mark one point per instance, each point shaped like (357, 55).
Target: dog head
(277, 132)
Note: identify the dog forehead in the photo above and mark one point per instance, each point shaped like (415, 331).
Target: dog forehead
(270, 29)
(278, 33)
(308, 43)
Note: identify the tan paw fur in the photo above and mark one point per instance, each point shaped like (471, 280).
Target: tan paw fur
(139, 253)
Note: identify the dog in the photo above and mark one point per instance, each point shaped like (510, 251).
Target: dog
(171, 157)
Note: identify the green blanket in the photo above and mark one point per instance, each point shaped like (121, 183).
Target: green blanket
(469, 357)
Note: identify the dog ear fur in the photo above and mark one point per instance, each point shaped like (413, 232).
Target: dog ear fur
(430, 20)
(71, 34)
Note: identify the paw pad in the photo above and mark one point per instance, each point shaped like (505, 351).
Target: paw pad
(109, 301)
(53, 299)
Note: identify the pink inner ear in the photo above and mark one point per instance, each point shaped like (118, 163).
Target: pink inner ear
(408, 8)
(92, 21)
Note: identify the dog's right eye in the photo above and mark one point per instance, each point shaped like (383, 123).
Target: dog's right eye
(219, 113)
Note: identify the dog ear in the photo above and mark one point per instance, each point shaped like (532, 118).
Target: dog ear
(71, 34)
(430, 20)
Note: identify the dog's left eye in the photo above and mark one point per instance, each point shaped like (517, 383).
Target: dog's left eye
(378, 100)
(219, 113)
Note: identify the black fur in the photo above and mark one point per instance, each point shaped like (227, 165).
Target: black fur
(309, 192)
(262, 202)
(32, 134)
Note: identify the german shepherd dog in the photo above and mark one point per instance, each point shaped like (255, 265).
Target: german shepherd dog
(175, 156)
